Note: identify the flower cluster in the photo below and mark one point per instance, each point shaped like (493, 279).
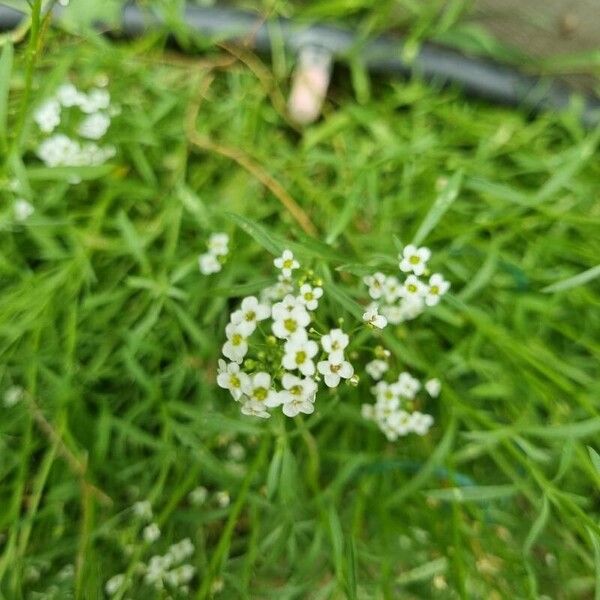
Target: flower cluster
(87, 116)
(276, 356)
(395, 409)
(218, 248)
(398, 300)
(163, 571)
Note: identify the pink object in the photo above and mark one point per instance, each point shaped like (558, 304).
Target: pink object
(309, 87)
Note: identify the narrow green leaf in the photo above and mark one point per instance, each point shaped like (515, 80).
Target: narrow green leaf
(595, 458)
(423, 572)
(575, 281)
(439, 207)
(6, 60)
(476, 493)
(258, 232)
(537, 527)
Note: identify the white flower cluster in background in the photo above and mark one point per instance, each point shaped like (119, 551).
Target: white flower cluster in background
(167, 571)
(218, 248)
(87, 116)
(395, 408)
(397, 301)
(276, 357)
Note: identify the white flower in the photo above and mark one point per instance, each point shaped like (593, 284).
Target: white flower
(198, 495)
(252, 408)
(179, 576)
(97, 99)
(433, 387)
(287, 263)
(181, 550)
(335, 368)
(249, 314)
(151, 533)
(375, 284)
(298, 395)
(373, 318)
(58, 150)
(231, 378)
(143, 509)
(223, 499)
(47, 115)
(299, 352)
(218, 244)
(413, 287)
(376, 368)
(13, 395)
(236, 346)
(438, 286)
(414, 259)
(391, 289)
(367, 412)
(388, 395)
(114, 584)
(68, 95)
(400, 422)
(309, 296)
(94, 126)
(236, 452)
(22, 209)
(334, 343)
(258, 389)
(408, 386)
(393, 313)
(420, 423)
(208, 264)
(289, 317)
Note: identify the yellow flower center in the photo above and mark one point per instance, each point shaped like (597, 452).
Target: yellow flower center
(290, 325)
(414, 259)
(434, 289)
(236, 339)
(234, 381)
(250, 315)
(300, 357)
(260, 393)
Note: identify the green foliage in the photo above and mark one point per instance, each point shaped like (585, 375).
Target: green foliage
(114, 334)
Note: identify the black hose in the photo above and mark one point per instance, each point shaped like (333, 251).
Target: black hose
(478, 77)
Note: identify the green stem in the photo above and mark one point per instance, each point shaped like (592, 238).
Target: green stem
(34, 34)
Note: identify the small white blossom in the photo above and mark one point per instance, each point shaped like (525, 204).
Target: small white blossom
(400, 422)
(375, 284)
(309, 296)
(96, 99)
(376, 368)
(143, 509)
(387, 394)
(94, 126)
(373, 318)
(252, 408)
(22, 209)
(232, 378)
(114, 584)
(208, 264)
(181, 550)
(413, 287)
(68, 95)
(433, 387)
(289, 317)
(298, 395)
(247, 317)
(367, 412)
(333, 369)
(218, 244)
(286, 263)
(223, 499)
(258, 389)
(391, 289)
(47, 115)
(236, 452)
(437, 287)
(151, 533)
(13, 395)
(236, 346)
(420, 423)
(408, 386)
(334, 343)
(198, 496)
(299, 352)
(414, 259)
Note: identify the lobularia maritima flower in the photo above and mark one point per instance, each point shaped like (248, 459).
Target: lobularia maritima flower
(89, 117)
(275, 358)
(218, 248)
(398, 301)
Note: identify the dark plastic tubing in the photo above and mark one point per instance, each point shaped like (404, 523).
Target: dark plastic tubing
(478, 77)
